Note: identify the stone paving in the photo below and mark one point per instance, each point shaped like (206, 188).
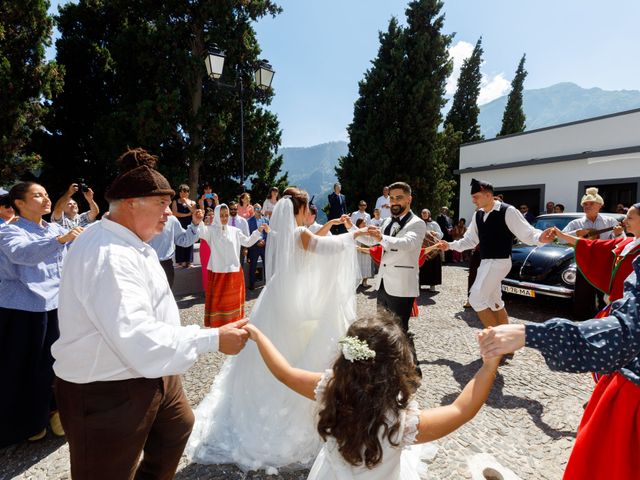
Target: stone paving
(527, 425)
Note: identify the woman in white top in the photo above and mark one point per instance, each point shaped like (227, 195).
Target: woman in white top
(308, 303)
(368, 419)
(225, 293)
(270, 203)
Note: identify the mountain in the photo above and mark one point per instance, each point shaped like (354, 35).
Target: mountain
(559, 103)
(313, 168)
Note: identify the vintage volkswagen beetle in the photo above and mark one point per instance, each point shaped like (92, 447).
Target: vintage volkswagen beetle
(546, 270)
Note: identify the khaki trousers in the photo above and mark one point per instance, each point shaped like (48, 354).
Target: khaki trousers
(109, 425)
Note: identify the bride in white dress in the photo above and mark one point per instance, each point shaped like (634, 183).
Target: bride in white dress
(249, 418)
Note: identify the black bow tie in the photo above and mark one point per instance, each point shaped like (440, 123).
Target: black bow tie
(395, 220)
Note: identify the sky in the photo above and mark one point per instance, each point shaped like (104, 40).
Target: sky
(320, 50)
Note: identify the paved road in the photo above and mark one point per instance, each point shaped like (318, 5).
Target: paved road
(528, 424)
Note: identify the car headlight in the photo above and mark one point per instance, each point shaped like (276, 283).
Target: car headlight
(569, 276)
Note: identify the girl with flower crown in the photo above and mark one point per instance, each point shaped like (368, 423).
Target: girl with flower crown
(370, 425)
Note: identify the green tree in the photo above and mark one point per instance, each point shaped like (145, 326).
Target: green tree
(27, 82)
(394, 133)
(513, 119)
(375, 133)
(463, 116)
(136, 76)
(267, 177)
(427, 67)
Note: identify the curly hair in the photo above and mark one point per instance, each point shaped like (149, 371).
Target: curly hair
(363, 399)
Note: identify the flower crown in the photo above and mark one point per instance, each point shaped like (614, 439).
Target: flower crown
(355, 349)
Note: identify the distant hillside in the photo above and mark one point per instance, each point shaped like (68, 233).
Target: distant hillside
(560, 103)
(313, 168)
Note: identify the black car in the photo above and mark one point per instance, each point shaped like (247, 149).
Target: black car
(546, 270)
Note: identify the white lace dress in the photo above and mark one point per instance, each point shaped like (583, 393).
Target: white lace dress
(249, 418)
(404, 462)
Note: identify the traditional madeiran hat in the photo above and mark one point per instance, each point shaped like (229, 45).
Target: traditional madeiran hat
(480, 186)
(592, 196)
(138, 177)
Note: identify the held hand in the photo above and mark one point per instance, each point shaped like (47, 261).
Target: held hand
(346, 220)
(88, 194)
(374, 232)
(197, 216)
(252, 330)
(548, 236)
(261, 243)
(264, 228)
(443, 245)
(500, 340)
(71, 235)
(233, 337)
(360, 232)
(570, 239)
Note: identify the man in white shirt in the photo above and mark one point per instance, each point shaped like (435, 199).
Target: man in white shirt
(493, 227)
(384, 204)
(66, 213)
(121, 347)
(361, 213)
(587, 299)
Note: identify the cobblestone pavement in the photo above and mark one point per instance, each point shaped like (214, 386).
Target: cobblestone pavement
(528, 424)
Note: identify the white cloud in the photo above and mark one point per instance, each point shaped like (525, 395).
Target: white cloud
(491, 86)
(459, 52)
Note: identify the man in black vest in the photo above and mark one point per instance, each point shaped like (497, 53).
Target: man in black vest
(493, 227)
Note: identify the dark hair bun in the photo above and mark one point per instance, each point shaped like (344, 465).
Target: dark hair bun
(134, 158)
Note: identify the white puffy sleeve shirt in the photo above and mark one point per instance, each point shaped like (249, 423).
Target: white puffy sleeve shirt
(225, 246)
(118, 317)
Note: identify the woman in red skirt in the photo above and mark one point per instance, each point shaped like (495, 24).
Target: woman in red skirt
(225, 292)
(608, 440)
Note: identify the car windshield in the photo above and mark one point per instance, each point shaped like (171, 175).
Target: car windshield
(544, 223)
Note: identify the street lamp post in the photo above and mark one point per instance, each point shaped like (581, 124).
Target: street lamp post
(263, 74)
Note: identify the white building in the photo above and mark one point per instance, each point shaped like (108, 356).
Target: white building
(558, 163)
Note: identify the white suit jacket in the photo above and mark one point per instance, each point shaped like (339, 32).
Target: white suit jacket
(399, 265)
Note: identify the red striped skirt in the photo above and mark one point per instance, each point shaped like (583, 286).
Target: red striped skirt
(224, 298)
(608, 441)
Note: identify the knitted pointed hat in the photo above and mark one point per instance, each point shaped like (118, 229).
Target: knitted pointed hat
(138, 177)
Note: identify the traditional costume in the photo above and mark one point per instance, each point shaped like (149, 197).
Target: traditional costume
(225, 292)
(608, 439)
(493, 231)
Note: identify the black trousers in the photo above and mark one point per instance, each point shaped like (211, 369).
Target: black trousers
(400, 306)
(254, 254)
(587, 301)
(26, 368)
(167, 266)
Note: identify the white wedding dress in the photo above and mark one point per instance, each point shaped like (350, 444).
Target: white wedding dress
(249, 418)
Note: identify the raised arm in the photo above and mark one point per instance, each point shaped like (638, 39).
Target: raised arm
(94, 210)
(62, 201)
(298, 380)
(437, 422)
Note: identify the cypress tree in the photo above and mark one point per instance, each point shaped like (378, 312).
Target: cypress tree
(463, 116)
(394, 133)
(427, 67)
(513, 120)
(374, 133)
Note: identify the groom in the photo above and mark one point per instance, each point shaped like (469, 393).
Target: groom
(401, 238)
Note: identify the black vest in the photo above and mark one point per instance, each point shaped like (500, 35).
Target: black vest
(495, 237)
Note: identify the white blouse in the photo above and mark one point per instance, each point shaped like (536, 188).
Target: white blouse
(225, 242)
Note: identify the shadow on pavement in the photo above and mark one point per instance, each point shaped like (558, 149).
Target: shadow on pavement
(189, 300)
(195, 471)
(18, 458)
(497, 399)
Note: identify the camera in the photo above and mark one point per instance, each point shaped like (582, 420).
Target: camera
(82, 186)
(208, 195)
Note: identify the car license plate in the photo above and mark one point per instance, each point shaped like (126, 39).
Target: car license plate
(518, 291)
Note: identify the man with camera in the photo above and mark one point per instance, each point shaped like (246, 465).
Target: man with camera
(65, 212)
